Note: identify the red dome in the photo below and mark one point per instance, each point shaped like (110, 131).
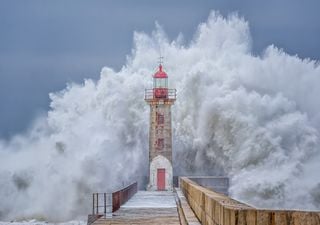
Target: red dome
(160, 73)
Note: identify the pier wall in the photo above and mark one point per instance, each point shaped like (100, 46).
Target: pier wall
(213, 208)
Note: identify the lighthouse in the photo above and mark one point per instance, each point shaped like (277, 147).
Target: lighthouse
(160, 98)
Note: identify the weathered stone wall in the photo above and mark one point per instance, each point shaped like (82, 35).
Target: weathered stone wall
(162, 130)
(213, 208)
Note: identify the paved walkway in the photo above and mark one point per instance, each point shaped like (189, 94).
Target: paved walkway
(151, 199)
(146, 207)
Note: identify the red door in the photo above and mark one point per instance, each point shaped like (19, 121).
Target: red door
(161, 179)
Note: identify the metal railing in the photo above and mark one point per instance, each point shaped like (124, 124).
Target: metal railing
(104, 204)
(122, 196)
(160, 94)
(101, 203)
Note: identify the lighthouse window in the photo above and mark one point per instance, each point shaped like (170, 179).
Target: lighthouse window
(160, 118)
(160, 82)
(160, 143)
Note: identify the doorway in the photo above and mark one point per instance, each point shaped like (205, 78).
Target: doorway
(161, 179)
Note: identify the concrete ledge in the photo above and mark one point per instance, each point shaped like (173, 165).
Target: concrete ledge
(212, 208)
(187, 217)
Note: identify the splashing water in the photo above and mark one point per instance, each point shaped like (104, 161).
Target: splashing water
(253, 118)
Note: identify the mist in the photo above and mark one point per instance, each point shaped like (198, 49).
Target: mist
(253, 118)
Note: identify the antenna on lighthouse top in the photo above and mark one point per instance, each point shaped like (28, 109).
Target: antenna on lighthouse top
(160, 62)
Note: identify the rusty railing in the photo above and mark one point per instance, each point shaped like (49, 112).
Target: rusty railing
(104, 204)
(122, 196)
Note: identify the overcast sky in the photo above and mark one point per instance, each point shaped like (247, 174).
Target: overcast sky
(46, 43)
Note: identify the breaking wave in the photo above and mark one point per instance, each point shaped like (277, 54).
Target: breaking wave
(254, 118)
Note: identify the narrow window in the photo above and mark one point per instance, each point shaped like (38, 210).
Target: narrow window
(160, 143)
(160, 118)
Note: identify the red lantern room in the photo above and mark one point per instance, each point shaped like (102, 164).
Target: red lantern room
(160, 90)
(160, 84)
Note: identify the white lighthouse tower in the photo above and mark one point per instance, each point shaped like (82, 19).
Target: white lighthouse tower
(160, 98)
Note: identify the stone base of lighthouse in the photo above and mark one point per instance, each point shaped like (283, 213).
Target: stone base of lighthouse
(161, 174)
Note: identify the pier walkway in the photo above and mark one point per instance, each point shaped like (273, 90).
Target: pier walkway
(146, 207)
(193, 204)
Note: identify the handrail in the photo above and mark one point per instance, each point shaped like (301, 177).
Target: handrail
(160, 94)
(95, 203)
(110, 202)
(122, 196)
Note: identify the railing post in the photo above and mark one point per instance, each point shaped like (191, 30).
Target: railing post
(105, 203)
(93, 204)
(97, 209)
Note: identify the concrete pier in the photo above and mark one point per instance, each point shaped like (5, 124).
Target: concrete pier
(193, 204)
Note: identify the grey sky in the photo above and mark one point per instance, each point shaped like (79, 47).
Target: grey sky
(46, 43)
